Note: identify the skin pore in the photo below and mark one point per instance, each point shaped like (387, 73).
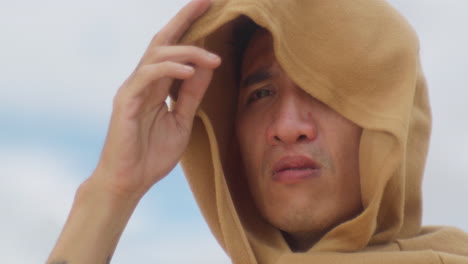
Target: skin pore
(299, 155)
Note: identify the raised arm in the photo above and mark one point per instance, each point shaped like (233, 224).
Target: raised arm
(144, 141)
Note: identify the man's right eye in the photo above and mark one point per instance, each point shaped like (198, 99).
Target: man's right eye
(259, 94)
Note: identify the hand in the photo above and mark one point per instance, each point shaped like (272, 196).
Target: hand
(145, 140)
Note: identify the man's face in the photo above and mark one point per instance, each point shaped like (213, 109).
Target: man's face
(300, 156)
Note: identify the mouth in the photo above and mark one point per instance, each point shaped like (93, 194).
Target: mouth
(294, 169)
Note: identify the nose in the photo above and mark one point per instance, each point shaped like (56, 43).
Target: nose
(292, 121)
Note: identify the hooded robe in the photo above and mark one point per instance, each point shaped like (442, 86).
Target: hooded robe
(359, 57)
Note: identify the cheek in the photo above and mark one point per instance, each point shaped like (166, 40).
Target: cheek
(342, 139)
(250, 137)
(347, 149)
(352, 137)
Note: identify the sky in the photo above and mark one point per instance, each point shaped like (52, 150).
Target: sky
(61, 63)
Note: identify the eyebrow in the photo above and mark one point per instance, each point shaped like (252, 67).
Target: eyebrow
(256, 77)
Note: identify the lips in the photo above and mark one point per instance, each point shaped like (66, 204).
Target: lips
(293, 169)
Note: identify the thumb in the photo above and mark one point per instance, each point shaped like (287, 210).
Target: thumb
(191, 94)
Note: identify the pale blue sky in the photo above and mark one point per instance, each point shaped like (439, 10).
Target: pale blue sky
(60, 65)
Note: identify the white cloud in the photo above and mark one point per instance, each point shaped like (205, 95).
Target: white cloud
(73, 55)
(36, 193)
(174, 245)
(445, 63)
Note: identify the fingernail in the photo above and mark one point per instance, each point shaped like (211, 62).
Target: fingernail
(213, 56)
(187, 69)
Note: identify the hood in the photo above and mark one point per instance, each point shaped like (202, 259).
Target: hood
(366, 63)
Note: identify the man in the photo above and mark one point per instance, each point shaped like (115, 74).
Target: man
(308, 149)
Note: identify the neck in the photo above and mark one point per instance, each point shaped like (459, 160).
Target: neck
(301, 242)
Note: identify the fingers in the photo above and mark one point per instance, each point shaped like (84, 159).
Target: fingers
(147, 74)
(170, 62)
(163, 62)
(191, 94)
(177, 26)
(181, 54)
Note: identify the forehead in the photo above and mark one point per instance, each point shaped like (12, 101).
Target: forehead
(259, 52)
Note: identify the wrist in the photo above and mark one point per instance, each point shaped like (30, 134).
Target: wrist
(113, 187)
(96, 221)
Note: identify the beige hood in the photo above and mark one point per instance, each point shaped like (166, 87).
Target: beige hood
(366, 63)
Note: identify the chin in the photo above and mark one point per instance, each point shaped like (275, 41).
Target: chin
(292, 216)
(297, 222)
(299, 216)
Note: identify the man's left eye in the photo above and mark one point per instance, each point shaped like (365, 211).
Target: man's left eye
(259, 94)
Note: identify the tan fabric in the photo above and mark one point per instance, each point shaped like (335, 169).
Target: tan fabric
(361, 58)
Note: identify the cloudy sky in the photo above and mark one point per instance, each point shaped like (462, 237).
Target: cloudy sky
(60, 65)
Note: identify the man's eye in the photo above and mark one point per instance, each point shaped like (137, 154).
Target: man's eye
(259, 94)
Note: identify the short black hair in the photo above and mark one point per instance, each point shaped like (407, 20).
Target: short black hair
(243, 31)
